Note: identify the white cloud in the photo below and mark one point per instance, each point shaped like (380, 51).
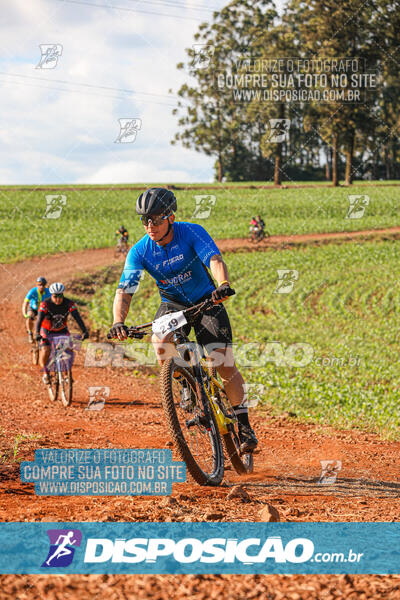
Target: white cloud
(55, 135)
(130, 171)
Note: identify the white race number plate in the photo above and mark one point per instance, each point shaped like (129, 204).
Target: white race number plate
(168, 323)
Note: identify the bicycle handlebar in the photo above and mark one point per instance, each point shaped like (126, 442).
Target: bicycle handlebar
(138, 331)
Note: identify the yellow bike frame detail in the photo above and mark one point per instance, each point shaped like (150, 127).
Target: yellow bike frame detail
(222, 420)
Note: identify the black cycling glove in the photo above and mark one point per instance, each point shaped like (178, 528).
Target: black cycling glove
(223, 291)
(119, 330)
(38, 337)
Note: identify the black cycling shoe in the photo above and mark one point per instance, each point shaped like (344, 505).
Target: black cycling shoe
(247, 437)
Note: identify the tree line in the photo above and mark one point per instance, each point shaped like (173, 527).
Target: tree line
(313, 139)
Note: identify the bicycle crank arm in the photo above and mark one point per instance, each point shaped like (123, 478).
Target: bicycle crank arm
(196, 421)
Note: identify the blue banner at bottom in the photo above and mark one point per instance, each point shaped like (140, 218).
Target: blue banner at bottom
(196, 548)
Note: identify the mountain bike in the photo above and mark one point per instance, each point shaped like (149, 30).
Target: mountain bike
(121, 248)
(59, 367)
(197, 409)
(258, 235)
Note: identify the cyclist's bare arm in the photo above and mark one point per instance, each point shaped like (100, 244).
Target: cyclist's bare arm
(76, 315)
(39, 321)
(218, 269)
(25, 306)
(122, 302)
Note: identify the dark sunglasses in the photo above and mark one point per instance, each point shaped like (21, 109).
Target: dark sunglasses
(58, 295)
(155, 219)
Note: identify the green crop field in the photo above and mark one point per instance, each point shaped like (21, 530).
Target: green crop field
(326, 351)
(89, 217)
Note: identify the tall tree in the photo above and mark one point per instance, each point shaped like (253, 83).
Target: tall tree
(385, 26)
(213, 121)
(334, 30)
(275, 43)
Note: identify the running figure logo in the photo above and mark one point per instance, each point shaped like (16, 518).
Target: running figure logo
(50, 54)
(254, 393)
(128, 130)
(61, 551)
(204, 204)
(279, 130)
(357, 206)
(62, 347)
(329, 471)
(131, 280)
(202, 54)
(54, 205)
(97, 397)
(286, 280)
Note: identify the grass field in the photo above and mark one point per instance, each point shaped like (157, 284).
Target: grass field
(344, 309)
(89, 217)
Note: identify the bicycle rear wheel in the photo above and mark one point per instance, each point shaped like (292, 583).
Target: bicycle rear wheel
(52, 388)
(197, 440)
(65, 380)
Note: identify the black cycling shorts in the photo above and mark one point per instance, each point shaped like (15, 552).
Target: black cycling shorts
(213, 327)
(45, 341)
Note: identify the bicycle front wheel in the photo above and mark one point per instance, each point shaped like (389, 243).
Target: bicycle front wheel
(52, 387)
(35, 354)
(65, 379)
(196, 437)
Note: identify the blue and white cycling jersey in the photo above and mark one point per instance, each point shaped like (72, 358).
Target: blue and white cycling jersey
(35, 297)
(178, 268)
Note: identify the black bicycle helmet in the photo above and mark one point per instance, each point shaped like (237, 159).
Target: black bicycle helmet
(41, 280)
(156, 201)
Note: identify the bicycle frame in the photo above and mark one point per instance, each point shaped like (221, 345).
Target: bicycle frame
(209, 410)
(199, 366)
(202, 392)
(62, 353)
(222, 420)
(206, 389)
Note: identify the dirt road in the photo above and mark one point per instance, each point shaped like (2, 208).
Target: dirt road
(287, 467)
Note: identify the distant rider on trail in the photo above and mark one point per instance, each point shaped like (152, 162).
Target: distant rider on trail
(123, 233)
(253, 228)
(32, 302)
(260, 223)
(178, 256)
(52, 320)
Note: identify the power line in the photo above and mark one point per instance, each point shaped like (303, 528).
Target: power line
(50, 87)
(134, 10)
(175, 5)
(88, 85)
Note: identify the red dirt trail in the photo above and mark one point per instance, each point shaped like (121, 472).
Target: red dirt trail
(287, 465)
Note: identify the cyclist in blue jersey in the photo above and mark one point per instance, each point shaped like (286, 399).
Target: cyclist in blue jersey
(31, 304)
(179, 257)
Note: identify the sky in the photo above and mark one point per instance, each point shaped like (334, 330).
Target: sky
(113, 62)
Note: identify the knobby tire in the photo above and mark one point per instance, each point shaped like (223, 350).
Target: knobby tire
(65, 379)
(214, 438)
